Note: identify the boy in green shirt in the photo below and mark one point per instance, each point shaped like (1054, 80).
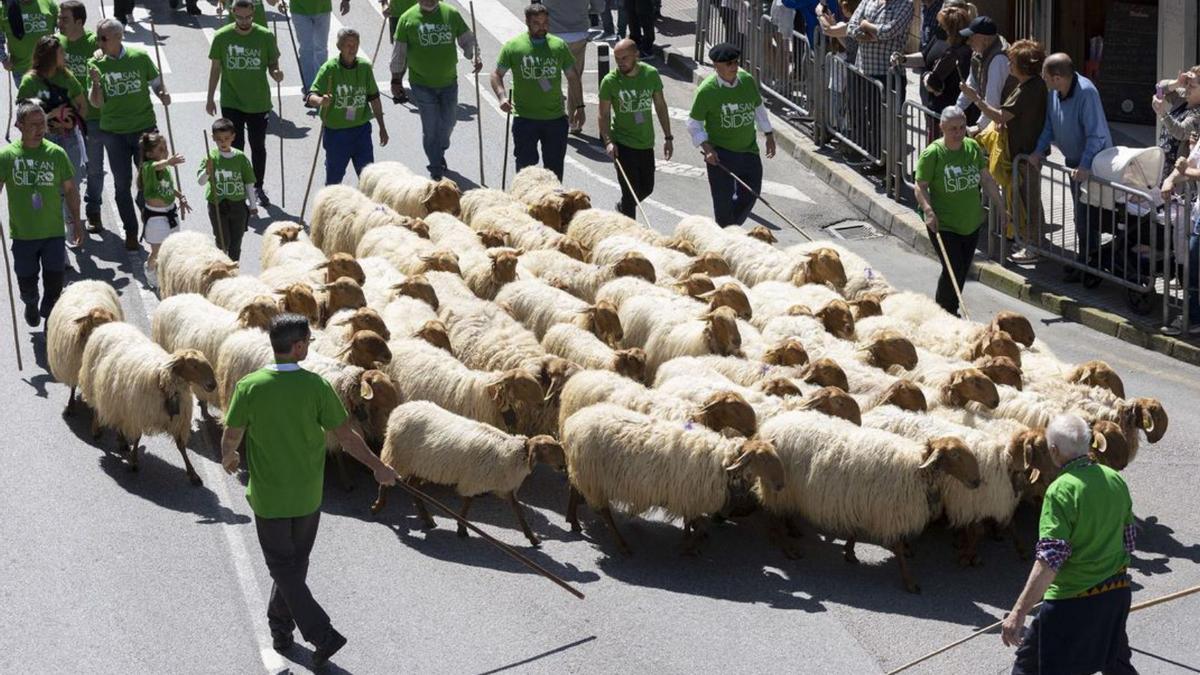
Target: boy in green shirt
(39, 17)
(80, 45)
(283, 412)
(537, 61)
(343, 89)
(626, 129)
(37, 174)
(229, 189)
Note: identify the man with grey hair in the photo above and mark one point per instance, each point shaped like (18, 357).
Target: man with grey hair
(344, 89)
(1086, 534)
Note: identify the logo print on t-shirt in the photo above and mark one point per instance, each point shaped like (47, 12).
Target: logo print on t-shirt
(433, 34)
(228, 182)
(120, 83)
(238, 57)
(38, 23)
(535, 67)
(33, 172)
(736, 115)
(633, 100)
(957, 178)
(350, 95)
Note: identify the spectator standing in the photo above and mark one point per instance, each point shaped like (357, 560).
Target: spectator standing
(929, 24)
(944, 62)
(343, 90)
(538, 61)
(1086, 533)
(121, 80)
(159, 194)
(228, 180)
(989, 65)
(310, 20)
(285, 455)
(22, 23)
(949, 174)
(1075, 123)
(37, 174)
(844, 49)
(394, 9)
(726, 109)
(612, 32)
(424, 43)
(1178, 110)
(242, 55)
(80, 45)
(52, 85)
(640, 15)
(626, 130)
(1187, 170)
(569, 23)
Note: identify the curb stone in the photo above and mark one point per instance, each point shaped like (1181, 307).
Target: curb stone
(903, 223)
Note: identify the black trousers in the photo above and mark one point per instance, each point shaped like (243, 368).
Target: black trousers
(234, 218)
(551, 135)
(732, 203)
(253, 125)
(1075, 636)
(639, 168)
(960, 249)
(639, 16)
(286, 544)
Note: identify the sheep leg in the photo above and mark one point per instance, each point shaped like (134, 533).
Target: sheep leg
(693, 537)
(516, 505)
(95, 428)
(380, 501)
(1022, 552)
(792, 527)
(777, 528)
(848, 551)
(131, 452)
(910, 584)
(967, 556)
(343, 476)
(466, 506)
(71, 402)
(606, 513)
(187, 464)
(573, 499)
(422, 512)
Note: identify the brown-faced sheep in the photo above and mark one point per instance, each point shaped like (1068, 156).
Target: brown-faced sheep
(82, 307)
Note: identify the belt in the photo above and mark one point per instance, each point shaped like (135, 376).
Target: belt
(1116, 581)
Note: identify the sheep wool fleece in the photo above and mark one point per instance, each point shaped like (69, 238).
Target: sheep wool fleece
(286, 411)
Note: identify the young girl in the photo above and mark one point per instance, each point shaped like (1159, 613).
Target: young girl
(159, 217)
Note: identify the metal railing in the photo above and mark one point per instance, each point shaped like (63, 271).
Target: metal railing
(785, 63)
(1181, 246)
(855, 109)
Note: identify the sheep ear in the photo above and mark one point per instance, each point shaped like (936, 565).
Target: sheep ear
(1147, 419)
(365, 391)
(493, 390)
(739, 462)
(322, 266)
(1099, 442)
(935, 456)
(1034, 475)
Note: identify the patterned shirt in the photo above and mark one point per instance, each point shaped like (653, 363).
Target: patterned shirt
(892, 18)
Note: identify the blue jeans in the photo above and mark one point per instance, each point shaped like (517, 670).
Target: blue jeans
(1087, 226)
(122, 150)
(49, 256)
(312, 35)
(94, 142)
(731, 202)
(437, 107)
(343, 146)
(551, 134)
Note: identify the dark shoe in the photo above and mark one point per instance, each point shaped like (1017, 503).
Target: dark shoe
(31, 315)
(262, 198)
(94, 223)
(333, 643)
(281, 642)
(193, 8)
(131, 243)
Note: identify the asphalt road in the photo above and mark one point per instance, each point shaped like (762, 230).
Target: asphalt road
(106, 571)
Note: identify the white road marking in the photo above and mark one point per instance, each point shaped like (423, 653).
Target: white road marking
(672, 112)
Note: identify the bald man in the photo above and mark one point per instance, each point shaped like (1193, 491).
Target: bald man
(626, 130)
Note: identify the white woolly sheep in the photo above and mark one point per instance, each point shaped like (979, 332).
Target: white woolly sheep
(592, 226)
(539, 306)
(334, 210)
(582, 279)
(404, 316)
(235, 293)
(486, 272)
(303, 271)
(82, 307)
(475, 202)
(191, 263)
(714, 333)
(425, 442)
(537, 186)
(527, 232)
(617, 456)
(743, 372)
(408, 194)
(669, 265)
(771, 398)
(276, 235)
(242, 353)
(452, 234)
(406, 251)
(344, 293)
(336, 337)
(862, 280)
(137, 388)
(583, 348)
(770, 299)
(754, 261)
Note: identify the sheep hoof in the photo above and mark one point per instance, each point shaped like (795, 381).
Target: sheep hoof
(428, 525)
(194, 479)
(576, 528)
(462, 532)
(534, 542)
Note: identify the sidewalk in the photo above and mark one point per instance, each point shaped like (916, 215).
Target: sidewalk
(1105, 308)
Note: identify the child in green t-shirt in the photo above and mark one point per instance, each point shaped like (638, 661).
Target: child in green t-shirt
(228, 178)
(158, 191)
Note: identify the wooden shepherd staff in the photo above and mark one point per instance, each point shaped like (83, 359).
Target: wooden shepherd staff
(8, 128)
(478, 105)
(379, 40)
(765, 202)
(625, 177)
(12, 304)
(504, 172)
(212, 185)
(279, 114)
(166, 107)
(295, 49)
(313, 169)
(962, 305)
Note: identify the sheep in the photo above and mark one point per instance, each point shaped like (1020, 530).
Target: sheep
(770, 299)
(190, 263)
(771, 398)
(1109, 446)
(592, 226)
(539, 306)
(867, 305)
(581, 347)
(957, 381)
(527, 232)
(581, 279)
(235, 293)
(364, 348)
(862, 483)
(714, 333)
(303, 271)
(278, 234)
(406, 252)
(475, 202)
(404, 316)
(945, 334)
(694, 285)
(901, 393)
(425, 442)
(137, 388)
(862, 280)
(743, 372)
(642, 316)
(408, 194)
(343, 325)
(334, 211)
(344, 293)
(453, 234)
(381, 281)
(189, 321)
(486, 272)
(754, 261)
(884, 349)
(668, 264)
(242, 353)
(82, 307)
(1001, 370)
(618, 456)
(761, 233)
(535, 185)
(920, 310)
(507, 400)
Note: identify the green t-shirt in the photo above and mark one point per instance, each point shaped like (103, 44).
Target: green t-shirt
(230, 174)
(244, 60)
(125, 83)
(78, 53)
(397, 8)
(632, 101)
(156, 184)
(260, 13)
(1088, 505)
(352, 89)
(310, 7)
(953, 177)
(41, 18)
(537, 75)
(35, 87)
(33, 179)
(432, 57)
(728, 112)
(285, 414)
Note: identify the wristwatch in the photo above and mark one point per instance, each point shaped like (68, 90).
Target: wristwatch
(668, 137)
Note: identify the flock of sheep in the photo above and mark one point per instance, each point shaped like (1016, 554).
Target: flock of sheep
(706, 374)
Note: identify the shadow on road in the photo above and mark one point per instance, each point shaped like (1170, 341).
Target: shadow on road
(536, 657)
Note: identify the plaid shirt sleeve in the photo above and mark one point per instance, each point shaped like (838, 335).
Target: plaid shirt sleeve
(1130, 538)
(1053, 552)
(893, 18)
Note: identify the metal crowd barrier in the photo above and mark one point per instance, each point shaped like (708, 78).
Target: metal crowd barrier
(1179, 283)
(855, 109)
(785, 64)
(918, 128)
(720, 21)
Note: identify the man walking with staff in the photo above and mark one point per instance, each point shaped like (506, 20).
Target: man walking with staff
(424, 45)
(626, 128)
(343, 90)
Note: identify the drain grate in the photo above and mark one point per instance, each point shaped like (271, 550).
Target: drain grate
(852, 230)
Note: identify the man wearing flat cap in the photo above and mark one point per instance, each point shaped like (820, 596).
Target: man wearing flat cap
(726, 111)
(989, 78)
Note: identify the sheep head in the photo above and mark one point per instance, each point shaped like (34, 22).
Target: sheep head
(890, 348)
(721, 332)
(634, 264)
(491, 238)
(994, 342)
(1109, 445)
(287, 232)
(415, 225)
(515, 393)
(758, 459)
(905, 395)
(440, 261)
(822, 266)
(570, 247)
(695, 285)
(543, 449)
(761, 233)
(1029, 452)
(418, 287)
(365, 318)
(573, 201)
(727, 410)
(1016, 325)
(434, 332)
(970, 384)
(779, 386)
(299, 299)
(190, 366)
(787, 352)
(553, 373)
(709, 263)
(837, 319)
(729, 295)
(1149, 415)
(258, 313)
(630, 363)
(344, 293)
(95, 317)
(381, 393)
(835, 402)
(826, 373)
(504, 264)
(682, 245)
(548, 211)
(604, 322)
(950, 455)
(866, 306)
(367, 349)
(214, 272)
(1098, 374)
(442, 195)
(1001, 370)
(342, 265)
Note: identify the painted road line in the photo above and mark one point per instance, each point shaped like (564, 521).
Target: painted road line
(672, 112)
(769, 187)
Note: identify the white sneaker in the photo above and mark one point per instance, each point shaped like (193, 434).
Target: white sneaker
(1023, 257)
(1176, 327)
(151, 277)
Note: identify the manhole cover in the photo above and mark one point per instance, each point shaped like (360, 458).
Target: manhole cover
(852, 230)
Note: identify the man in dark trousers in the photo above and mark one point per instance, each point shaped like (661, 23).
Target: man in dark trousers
(283, 412)
(626, 126)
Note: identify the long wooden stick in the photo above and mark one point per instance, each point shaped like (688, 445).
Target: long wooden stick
(166, 106)
(765, 202)
(212, 185)
(379, 40)
(312, 170)
(8, 127)
(478, 104)
(295, 49)
(628, 184)
(504, 172)
(953, 277)
(12, 304)
(279, 114)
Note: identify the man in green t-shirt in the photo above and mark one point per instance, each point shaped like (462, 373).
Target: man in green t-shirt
(726, 110)
(121, 81)
(80, 45)
(626, 130)
(38, 174)
(537, 61)
(38, 18)
(424, 44)
(343, 90)
(283, 412)
(242, 54)
(949, 173)
(1085, 537)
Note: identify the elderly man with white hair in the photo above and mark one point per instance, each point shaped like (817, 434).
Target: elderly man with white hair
(1086, 534)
